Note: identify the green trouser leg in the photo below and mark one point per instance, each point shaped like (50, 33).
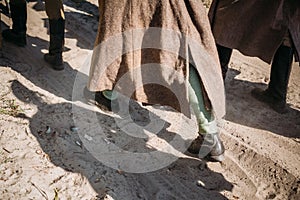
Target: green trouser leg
(206, 121)
(109, 94)
(211, 145)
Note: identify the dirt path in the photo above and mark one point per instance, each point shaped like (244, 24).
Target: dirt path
(263, 148)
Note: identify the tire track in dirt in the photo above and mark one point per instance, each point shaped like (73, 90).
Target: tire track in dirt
(268, 179)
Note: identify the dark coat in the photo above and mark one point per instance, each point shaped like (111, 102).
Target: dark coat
(256, 27)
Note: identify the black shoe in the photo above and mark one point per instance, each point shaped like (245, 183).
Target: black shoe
(266, 97)
(98, 99)
(209, 146)
(11, 36)
(55, 60)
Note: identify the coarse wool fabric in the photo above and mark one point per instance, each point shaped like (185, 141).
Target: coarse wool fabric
(256, 27)
(144, 49)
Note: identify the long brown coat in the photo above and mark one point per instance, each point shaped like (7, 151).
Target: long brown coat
(256, 27)
(144, 47)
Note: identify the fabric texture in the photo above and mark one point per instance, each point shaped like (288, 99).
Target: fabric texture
(256, 27)
(144, 49)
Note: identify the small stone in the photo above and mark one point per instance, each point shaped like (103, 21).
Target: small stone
(97, 180)
(48, 130)
(78, 143)
(106, 140)
(200, 184)
(74, 129)
(120, 172)
(39, 152)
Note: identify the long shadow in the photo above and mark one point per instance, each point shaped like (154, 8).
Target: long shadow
(65, 147)
(239, 99)
(66, 150)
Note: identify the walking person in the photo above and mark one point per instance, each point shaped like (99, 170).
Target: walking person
(265, 29)
(144, 33)
(17, 34)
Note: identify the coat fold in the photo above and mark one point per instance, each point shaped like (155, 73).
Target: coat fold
(144, 49)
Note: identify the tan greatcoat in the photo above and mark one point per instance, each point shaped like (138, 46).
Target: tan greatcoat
(144, 47)
(256, 27)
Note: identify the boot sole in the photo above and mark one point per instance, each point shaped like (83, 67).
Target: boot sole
(219, 158)
(57, 67)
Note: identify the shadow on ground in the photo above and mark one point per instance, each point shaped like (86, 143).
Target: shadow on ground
(177, 181)
(259, 115)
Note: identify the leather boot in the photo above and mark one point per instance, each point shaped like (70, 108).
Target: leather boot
(224, 56)
(17, 35)
(275, 94)
(209, 146)
(98, 99)
(57, 35)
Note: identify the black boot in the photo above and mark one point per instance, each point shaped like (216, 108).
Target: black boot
(275, 94)
(98, 99)
(17, 35)
(209, 146)
(57, 35)
(224, 56)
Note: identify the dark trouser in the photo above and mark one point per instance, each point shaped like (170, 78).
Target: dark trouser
(280, 73)
(18, 15)
(17, 35)
(280, 69)
(224, 56)
(54, 8)
(55, 12)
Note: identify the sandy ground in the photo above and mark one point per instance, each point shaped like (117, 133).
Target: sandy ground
(262, 147)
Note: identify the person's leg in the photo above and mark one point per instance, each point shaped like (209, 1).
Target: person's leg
(224, 57)
(55, 12)
(280, 73)
(211, 144)
(17, 34)
(275, 94)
